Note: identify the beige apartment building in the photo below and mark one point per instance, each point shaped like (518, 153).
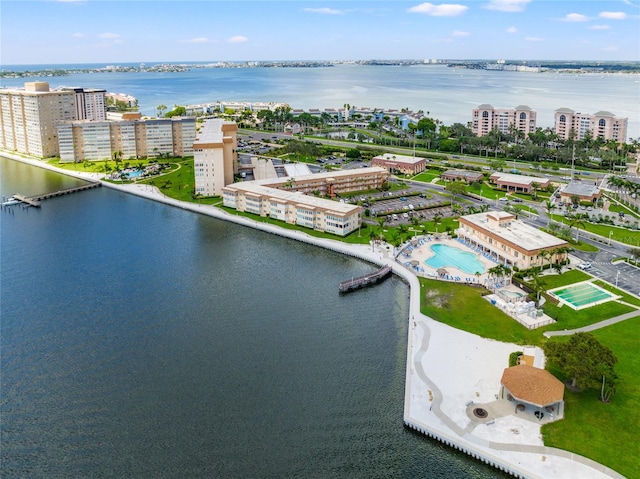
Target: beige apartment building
(29, 116)
(99, 140)
(486, 118)
(293, 207)
(602, 124)
(300, 200)
(215, 157)
(510, 241)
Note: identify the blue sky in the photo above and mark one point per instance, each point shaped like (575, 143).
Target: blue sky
(92, 31)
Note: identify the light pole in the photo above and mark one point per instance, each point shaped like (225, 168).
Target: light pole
(617, 276)
(610, 234)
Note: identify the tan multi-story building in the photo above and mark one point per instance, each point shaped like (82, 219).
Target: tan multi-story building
(511, 241)
(407, 165)
(602, 124)
(293, 207)
(99, 140)
(29, 116)
(214, 156)
(299, 200)
(486, 118)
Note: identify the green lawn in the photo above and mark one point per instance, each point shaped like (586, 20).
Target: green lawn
(623, 235)
(606, 433)
(427, 176)
(590, 428)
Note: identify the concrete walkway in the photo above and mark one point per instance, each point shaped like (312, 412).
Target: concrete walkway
(594, 326)
(439, 360)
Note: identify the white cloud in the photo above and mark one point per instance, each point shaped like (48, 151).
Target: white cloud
(443, 10)
(109, 36)
(609, 49)
(507, 5)
(613, 15)
(599, 27)
(575, 17)
(197, 40)
(534, 39)
(324, 11)
(237, 39)
(458, 33)
(78, 35)
(512, 30)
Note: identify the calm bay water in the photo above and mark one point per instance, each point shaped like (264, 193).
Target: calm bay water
(448, 94)
(140, 340)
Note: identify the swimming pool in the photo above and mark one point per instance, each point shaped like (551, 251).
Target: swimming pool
(445, 255)
(582, 295)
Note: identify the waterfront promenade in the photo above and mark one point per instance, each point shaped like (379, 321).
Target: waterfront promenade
(446, 369)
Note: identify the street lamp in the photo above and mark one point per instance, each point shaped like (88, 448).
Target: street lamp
(617, 276)
(610, 234)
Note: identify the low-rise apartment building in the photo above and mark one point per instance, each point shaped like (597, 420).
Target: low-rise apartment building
(510, 241)
(301, 201)
(293, 207)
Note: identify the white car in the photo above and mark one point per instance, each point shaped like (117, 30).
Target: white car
(584, 265)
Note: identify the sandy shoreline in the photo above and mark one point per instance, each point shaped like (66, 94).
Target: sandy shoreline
(446, 369)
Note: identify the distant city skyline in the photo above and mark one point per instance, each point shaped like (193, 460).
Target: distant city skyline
(88, 31)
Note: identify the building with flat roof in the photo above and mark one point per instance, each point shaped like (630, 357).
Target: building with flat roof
(215, 157)
(602, 124)
(485, 118)
(29, 115)
(581, 189)
(99, 140)
(518, 183)
(464, 175)
(511, 241)
(293, 207)
(407, 165)
(302, 200)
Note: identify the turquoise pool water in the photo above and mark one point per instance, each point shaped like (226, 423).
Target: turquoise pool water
(582, 294)
(445, 255)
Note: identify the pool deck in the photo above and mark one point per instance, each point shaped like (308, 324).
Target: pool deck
(511, 306)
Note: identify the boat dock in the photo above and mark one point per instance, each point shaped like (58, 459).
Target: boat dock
(366, 280)
(36, 199)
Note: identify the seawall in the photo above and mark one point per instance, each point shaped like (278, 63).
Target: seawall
(518, 460)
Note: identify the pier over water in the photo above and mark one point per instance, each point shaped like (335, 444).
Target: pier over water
(365, 280)
(36, 199)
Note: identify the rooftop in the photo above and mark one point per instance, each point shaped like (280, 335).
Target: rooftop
(512, 178)
(533, 385)
(580, 188)
(515, 231)
(294, 197)
(400, 158)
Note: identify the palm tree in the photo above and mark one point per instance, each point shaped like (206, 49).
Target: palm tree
(574, 221)
(537, 283)
(372, 237)
(548, 206)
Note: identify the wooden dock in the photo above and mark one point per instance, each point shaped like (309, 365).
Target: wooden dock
(36, 199)
(366, 280)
